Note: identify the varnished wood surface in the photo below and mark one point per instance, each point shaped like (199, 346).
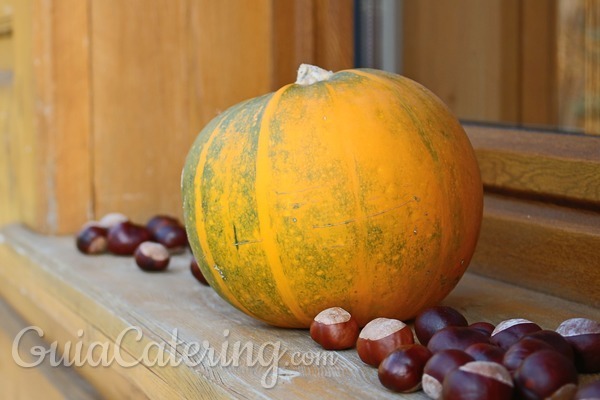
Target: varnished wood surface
(541, 246)
(48, 282)
(556, 166)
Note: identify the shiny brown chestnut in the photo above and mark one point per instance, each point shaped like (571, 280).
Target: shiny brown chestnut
(522, 349)
(380, 337)
(434, 319)
(590, 391)
(546, 374)
(92, 240)
(158, 221)
(195, 269)
(151, 256)
(555, 340)
(125, 237)
(439, 365)
(485, 352)
(485, 327)
(478, 380)
(456, 337)
(509, 331)
(334, 329)
(583, 334)
(402, 369)
(173, 237)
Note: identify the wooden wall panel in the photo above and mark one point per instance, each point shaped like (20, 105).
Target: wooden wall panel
(160, 74)
(45, 172)
(538, 69)
(63, 111)
(465, 51)
(8, 204)
(107, 96)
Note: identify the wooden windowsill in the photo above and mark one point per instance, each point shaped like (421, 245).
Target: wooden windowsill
(63, 292)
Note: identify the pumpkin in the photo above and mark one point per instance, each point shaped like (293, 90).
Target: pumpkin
(357, 189)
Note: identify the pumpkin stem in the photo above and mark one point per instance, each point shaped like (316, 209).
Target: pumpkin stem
(309, 74)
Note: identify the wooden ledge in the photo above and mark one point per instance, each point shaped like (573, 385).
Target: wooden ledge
(541, 246)
(559, 167)
(96, 299)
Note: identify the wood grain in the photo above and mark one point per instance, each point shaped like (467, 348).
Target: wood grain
(545, 165)
(542, 247)
(471, 58)
(18, 177)
(51, 382)
(106, 97)
(55, 287)
(45, 174)
(293, 38)
(160, 74)
(538, 63)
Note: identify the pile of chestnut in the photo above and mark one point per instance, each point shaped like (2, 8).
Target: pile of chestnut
(515, 359)
(151, 244)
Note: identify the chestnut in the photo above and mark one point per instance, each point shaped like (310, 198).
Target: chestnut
(380, 337)
(197, 272)
(485, 327)
(583, 334)
(522, 349)
(433, 319)
(485, 352)
(591, 391)
(478, 380)
(509, 331)
(456, 337)
(402, 370)
(546, 374)
(334, 329)
(92, 240)
(125, 237)
(151, 256)
(158, 221)
(111, 219)
(555, 340)
(173, 237)
(439, 365)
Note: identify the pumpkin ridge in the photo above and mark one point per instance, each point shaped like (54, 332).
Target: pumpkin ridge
(269, 245)
(360, 218)
(201, 225)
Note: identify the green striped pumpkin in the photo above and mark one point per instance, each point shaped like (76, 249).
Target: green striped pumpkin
(357, 189)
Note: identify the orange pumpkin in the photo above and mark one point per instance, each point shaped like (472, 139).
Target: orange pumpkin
(357, 189)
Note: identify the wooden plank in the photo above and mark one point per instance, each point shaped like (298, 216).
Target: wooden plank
(55, 287)
(542, 247)
(334, 34)
(592, 67)
(51, 381)
(46, 141)
(18, 178)
(8, 206)
(558, 167)
(160, 73)
(293, 39)
(313, 32)
(64, 117)
(471, 58)
(538, 59)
